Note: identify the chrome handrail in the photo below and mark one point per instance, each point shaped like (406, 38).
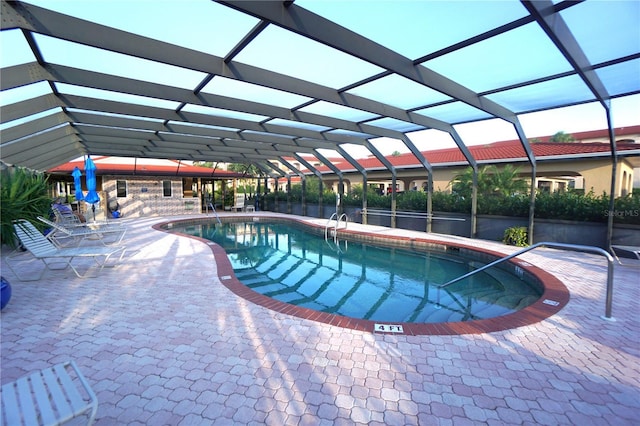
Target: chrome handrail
(576, 247)
(326, 227)
(214, 212)
(335, 228)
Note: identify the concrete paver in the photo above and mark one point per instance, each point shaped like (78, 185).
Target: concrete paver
(162, 341)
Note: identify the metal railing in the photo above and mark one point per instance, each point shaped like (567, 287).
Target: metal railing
(210, 205)
(575, 247)
(409, 214)
(344, 217)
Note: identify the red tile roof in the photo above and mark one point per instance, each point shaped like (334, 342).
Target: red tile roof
(497, 151)
(507, 150)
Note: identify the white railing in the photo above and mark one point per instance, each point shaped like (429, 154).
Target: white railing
(334, 230)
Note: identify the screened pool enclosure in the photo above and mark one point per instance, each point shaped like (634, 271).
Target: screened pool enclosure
(261, 81)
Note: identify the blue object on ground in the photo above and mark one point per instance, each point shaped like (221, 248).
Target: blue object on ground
(5, 292)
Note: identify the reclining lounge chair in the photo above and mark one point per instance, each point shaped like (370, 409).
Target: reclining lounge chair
(61, 234)
(70, 219)
(43, 249)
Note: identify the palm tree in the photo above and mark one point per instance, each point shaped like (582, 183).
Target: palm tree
(492, 181)
(505, 181)
(462, 183)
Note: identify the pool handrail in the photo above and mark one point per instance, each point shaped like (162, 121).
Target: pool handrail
(335, 229)
(575, 247)
(210, 205)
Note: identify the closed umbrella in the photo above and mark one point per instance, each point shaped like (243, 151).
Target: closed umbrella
(76, 182)
(92, 196)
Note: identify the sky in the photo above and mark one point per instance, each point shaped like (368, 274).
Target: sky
(219, 29)
(580, 118)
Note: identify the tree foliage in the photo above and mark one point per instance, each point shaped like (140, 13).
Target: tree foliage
(561, 137)
(247, 169)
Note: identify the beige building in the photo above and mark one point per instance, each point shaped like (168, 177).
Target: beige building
(585, 163)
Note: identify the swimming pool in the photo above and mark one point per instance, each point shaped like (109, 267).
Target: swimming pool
(360, 281)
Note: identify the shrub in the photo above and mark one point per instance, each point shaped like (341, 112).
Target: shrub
(454, 203)
(514, 205)
(516, 236)
(375, 200)
(412, 200)
(626, 210)
(571, 205)
(354, 197)
(23, 195)
(328, 197)
(296, 193)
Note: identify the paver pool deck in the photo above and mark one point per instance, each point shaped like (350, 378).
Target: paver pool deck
(163, 342)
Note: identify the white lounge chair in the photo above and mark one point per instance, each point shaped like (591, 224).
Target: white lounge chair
(60, 234)
(51, 396)
(69, 219)
(43, 249)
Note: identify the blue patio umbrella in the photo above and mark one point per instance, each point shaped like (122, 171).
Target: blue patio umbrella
(78, 185)
(92, 196)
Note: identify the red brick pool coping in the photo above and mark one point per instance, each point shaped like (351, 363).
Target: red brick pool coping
(554, 297)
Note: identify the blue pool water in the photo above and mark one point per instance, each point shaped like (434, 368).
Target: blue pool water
(362, 281)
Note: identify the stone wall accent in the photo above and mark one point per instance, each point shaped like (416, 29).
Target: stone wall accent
(145, 197)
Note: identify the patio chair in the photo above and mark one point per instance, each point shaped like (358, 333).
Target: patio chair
(66, 217)
(69, 219)
(51, 396)
(43, 249)
(60, 233)
(239, 203)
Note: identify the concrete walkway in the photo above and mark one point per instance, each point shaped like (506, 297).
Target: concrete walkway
(163, 342)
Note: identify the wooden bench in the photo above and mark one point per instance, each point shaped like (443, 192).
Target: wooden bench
(49, 397)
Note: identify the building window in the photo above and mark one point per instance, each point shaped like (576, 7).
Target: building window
(121, 188)
(544, 186)
(166, 188)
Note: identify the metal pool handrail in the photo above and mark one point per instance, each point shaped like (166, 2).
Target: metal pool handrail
(575, 247)
(335, 229)
(214, 212)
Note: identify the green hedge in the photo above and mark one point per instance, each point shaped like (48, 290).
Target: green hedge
(571, 205)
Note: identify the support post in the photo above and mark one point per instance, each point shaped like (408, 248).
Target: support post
(317, 173)
(614, 176)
